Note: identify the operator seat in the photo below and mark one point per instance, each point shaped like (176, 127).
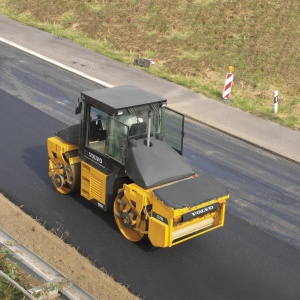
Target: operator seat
(138, 130)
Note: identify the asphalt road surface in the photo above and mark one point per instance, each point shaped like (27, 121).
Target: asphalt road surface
(255, 256)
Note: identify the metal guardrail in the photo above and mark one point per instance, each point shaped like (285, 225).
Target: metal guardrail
(17, 286)
(37, 266)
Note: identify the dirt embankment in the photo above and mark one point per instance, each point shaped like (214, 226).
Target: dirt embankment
(62, 256)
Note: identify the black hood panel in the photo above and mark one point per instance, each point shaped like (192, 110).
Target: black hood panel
(70, 134)
(191, 192)
(155, 165)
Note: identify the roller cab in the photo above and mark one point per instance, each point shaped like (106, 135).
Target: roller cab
(126, 155)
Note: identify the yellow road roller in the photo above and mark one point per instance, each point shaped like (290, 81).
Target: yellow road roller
(126, 155)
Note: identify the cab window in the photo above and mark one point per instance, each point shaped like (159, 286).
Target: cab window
(97, 129)
(117, 137)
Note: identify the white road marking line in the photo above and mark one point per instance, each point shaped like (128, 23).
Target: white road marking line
(56, 63)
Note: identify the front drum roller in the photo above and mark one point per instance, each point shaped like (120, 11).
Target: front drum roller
(131, 224)
(66, 179)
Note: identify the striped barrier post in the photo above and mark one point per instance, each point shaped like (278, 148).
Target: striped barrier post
(275, 101)
(228, 84)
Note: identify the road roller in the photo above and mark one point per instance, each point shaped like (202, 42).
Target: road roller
(126, 155)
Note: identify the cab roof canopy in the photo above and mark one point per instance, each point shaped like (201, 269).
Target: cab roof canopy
(113, 99)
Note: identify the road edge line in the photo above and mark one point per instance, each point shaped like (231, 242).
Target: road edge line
(56, 63)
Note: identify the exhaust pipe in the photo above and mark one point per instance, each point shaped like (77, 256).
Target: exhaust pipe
(148, 129)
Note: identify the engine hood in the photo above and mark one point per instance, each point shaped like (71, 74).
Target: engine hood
(191, 192)
(155, 165)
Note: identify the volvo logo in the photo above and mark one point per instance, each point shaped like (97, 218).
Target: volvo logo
(201, 212)
(93, 157)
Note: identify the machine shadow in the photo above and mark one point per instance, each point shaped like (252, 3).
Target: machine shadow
(108, 218)
(36, 159)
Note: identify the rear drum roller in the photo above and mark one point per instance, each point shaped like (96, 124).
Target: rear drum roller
(66, 179)
(131, 224)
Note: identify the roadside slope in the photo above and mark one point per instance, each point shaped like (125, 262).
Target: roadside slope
(60, 255)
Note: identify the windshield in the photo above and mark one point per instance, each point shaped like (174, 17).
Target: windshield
(147, 114)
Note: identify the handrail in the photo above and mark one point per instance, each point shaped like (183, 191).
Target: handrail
(17, 286)
(41, 268)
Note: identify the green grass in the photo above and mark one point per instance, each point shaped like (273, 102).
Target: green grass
(192, 42)
(7, 290)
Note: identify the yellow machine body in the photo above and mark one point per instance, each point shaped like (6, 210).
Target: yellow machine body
(92, 183)
(135, 168)
(63, 165)
(166, 227)
(57, 149)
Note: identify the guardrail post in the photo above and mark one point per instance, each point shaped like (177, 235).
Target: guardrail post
(275, 101)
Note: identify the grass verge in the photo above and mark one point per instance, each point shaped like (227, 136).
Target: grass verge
(10, 268)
